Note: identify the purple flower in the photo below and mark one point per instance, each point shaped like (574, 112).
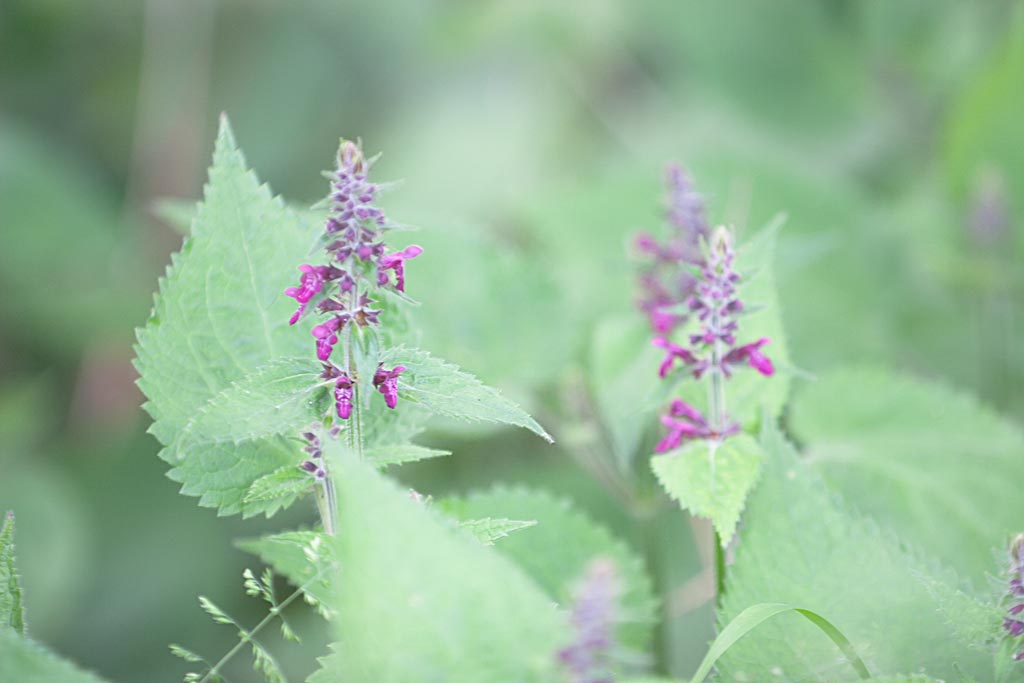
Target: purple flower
(326, 337)
(684, 423)
(673, 352)
(310, 284)
(343, 397)
(593, 617)
(750, 353)
(396, 262)
(386, 382)
(665, 281)
(1014, 626)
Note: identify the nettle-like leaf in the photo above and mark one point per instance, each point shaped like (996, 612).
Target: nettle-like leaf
(419, 600)
(488, 530)
(24, 661)
(12, 611)
(444, 389)
(557, 551)
(750, 395)
(801, 547)
(928, 461)
(712, 479)
(221, 316)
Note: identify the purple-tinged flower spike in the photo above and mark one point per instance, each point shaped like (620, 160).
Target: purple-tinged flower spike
(665, 283)
(386, 382)
(593, 617)
(1013, 622)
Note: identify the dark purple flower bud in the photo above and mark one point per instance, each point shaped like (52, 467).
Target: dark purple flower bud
(386, 382)
(396, 262)
(309, 466)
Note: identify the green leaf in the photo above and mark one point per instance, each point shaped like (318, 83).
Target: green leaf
(712, 479)
(24, 661)
(12, 611)
(489, 529)
(418, 600)
(801, 547)
(929, 462)
(557, 551)
(444, 389)
(221, 316)
(278, 398)
(288, 483)
(401, 453)
(752, 617)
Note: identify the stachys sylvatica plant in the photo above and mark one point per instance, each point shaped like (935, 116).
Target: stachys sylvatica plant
(862, 525)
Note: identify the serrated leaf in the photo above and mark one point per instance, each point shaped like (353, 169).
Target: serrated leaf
(24, 661)
(558, 550)
(712, 479)
(277, 398)
(12, 611)
(929, 462)
(489, 529)
(401, 453)
(287, 483)
(801, 547)
(220, 316)
(418, 600)
(444, 389)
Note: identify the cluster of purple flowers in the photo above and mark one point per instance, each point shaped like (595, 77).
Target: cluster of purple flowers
(593, 618)
(1013, 622)
(704, 286)
(666, 280)
(340, 290)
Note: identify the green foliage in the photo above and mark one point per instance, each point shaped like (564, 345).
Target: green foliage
(12, 609)
(219, 317)
(712, 479)
(444, 389)
(557, 551)
(801, 547)
(755, 615)
(299, 556)
(928, 461)
(418, 600)
(490, 529)
(287, 483)
(23, 661)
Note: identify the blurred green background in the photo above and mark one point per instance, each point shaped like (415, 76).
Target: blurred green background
(530, 137)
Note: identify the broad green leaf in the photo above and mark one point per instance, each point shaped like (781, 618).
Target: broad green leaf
(801, 547)
(23, 661)
(487, 530)
(418, 600)
(712, 479)
(557, 551)
(288, 482)
(278, 398)
(444, 389)
(755, 615)
(12, 609)
(928, 461)
(220, 316)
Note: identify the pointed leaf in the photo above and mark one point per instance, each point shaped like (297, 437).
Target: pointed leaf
(712, 479)
(23, 661)
(420, 601)
(444, 389)
(12, 611)
(489, 529)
